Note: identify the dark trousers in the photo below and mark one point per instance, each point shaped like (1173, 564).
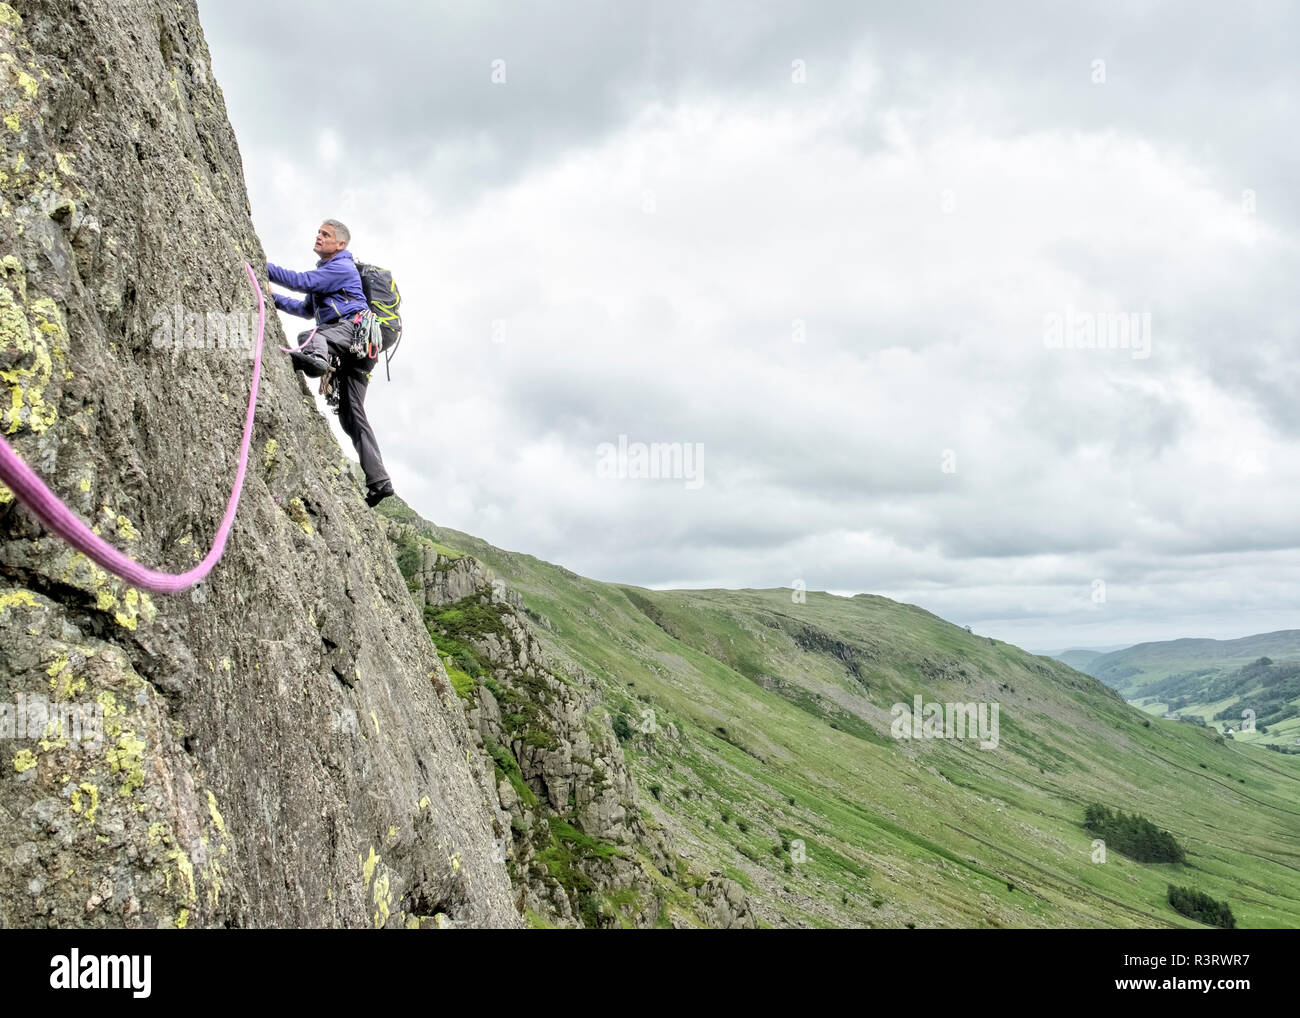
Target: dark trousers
(353, 381)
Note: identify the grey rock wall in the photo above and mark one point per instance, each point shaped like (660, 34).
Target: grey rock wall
(279, 747)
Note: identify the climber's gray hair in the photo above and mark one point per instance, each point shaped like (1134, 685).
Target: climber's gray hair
(341, 232)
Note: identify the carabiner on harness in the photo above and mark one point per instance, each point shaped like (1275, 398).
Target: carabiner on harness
(366, 337)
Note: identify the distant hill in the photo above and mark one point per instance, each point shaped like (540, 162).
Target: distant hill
(1078, 658)
(1130, 670)
(1213, 682)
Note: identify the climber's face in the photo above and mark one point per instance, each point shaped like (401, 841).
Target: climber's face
(327, 245)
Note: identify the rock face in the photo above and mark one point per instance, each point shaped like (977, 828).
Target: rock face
(280, 746)
(581, 852)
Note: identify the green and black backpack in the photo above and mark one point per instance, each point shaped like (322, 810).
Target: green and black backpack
(384, 300)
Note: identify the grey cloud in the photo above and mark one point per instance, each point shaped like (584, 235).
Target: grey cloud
(399, 81)
(803, 477)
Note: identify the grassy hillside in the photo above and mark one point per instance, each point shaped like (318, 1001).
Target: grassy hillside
(759, 730)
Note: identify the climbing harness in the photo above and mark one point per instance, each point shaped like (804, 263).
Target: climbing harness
(55, 514)
(366, 338)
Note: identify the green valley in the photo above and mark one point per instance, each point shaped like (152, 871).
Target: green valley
(756, 724)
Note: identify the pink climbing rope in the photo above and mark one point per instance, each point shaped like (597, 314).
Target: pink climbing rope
(295, 349)
(50, 509)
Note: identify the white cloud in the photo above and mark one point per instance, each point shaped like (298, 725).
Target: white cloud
(921, 250)
(327, 146)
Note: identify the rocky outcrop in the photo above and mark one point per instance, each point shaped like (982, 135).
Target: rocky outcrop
(281, 746)
(582, 852)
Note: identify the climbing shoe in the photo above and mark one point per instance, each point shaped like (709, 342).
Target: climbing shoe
(376, 495)
(309, 365)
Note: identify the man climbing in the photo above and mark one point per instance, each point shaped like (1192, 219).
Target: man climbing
(334, 295)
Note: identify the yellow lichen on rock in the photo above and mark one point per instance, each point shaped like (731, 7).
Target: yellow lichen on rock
(26, 82)
(32, 330)
(67, 686)
(14, 598)
(93, 792)
(382, 897)
(64, 683)
(213, 812)
(135, 605)
(298, 513)
(185, 868)
(128, 606)
(126, 758)
(375, 876)
(112, 709)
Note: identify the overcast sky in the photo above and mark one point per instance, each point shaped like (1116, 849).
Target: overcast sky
(831, 246)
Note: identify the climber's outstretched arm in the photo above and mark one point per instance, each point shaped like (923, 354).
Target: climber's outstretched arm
(327, 278)
(301, 308)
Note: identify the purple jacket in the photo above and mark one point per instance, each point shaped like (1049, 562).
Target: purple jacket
(333, 289)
